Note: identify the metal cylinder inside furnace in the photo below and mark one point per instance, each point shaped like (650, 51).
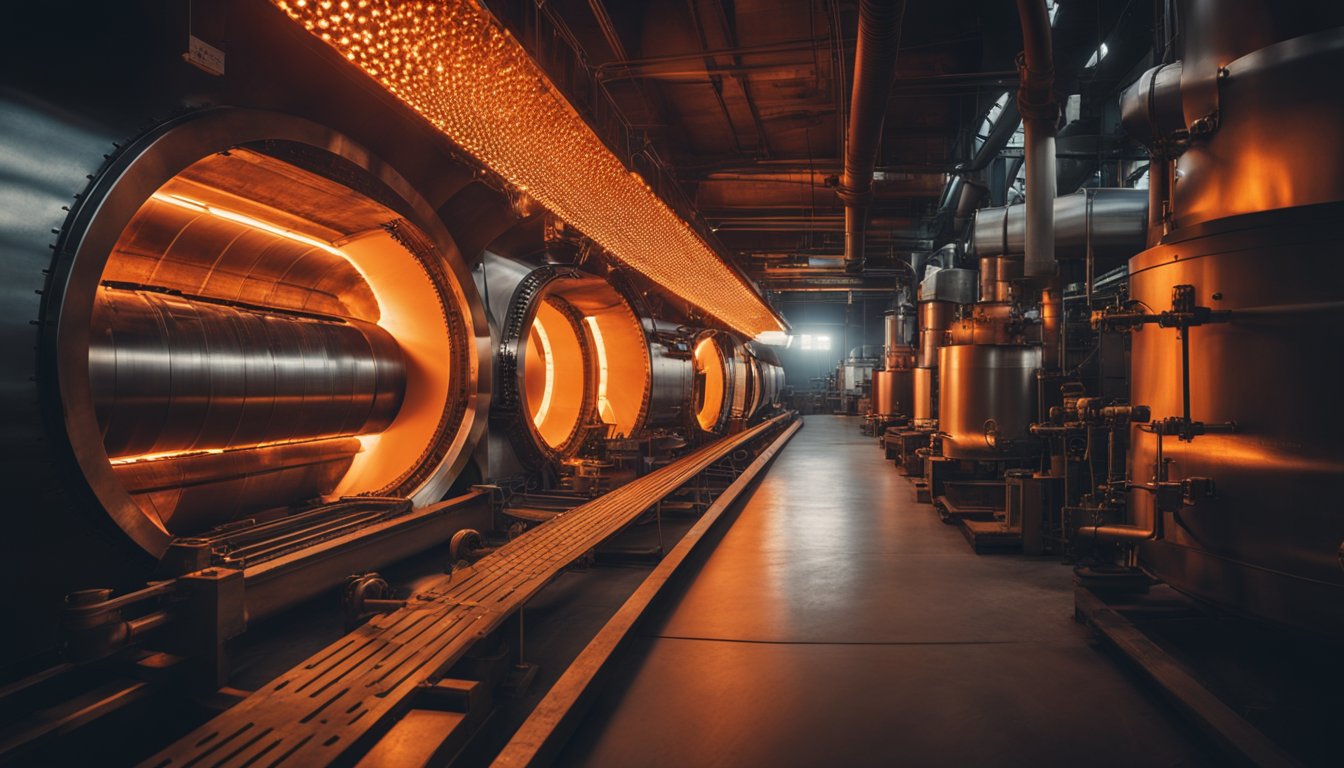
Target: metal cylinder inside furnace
(242, 335)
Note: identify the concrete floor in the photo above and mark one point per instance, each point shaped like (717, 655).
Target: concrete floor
(838, 622)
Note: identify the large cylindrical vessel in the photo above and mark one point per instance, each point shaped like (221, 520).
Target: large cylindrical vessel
(987, 401)
(1268, 541)
(1253, 230)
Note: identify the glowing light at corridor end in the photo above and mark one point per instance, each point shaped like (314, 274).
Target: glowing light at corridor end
(452, 63)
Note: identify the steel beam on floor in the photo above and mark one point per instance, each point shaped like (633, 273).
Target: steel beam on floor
(549, 725)
(1238, 738)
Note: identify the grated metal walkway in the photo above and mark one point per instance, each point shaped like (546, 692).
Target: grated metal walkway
(341, 697)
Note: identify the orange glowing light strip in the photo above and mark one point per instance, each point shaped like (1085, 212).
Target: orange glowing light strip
(549, 388)
(451, 62)
(603, 404)
(247, 221)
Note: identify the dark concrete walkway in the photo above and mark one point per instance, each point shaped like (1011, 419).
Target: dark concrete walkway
(840, 623)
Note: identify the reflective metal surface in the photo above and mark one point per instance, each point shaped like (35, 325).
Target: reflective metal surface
(1253, 204)
(1268, 542)
(935, 318)
(987, 400)
(953, 285)
(997, 274)
(171, 374)
(923, 392)
(1113, 221)
(193, 493)
(893, 392)
(671, 376)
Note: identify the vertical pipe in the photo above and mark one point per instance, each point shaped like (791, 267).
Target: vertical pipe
(1035, 98)
(874, 73)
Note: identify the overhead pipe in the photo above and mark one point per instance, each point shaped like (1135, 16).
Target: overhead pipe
(1036, 102)
(1109, 222)
(874, 74)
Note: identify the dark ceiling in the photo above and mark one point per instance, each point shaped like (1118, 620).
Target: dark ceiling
(735, 111)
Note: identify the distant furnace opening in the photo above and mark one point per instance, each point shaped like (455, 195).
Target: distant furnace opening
(584, 367)
(711, 376)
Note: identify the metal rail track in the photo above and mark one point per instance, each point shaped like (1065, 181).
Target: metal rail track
(340, 700)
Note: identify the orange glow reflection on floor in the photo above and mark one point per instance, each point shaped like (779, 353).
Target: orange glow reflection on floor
(454, 65)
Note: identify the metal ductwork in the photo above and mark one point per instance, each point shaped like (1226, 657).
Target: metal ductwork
(1111, 222)
(874, 74)
(1036, 100)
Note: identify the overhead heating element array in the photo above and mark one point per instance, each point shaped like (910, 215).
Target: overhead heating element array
(453, 64)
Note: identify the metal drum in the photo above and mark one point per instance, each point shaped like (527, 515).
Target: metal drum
(893, 392)
(987, 401)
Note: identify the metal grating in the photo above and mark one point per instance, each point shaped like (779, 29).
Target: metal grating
(345, 694)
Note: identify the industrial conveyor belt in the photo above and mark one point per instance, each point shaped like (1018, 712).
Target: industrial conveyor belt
(345, 694)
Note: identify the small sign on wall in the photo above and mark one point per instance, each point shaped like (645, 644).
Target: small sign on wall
(204, 56)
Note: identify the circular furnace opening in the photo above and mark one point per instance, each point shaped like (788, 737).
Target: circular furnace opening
(711, 380)
(583, 364)
(722, 381)
(250, 336)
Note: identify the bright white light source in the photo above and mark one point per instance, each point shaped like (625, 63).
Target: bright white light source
(773, 338)
(1097, 56)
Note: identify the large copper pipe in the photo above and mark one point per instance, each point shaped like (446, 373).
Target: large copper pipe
(174, 374)
(874, 73)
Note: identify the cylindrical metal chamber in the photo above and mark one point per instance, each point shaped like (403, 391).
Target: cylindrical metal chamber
(1252, 226)
(722, 386)
(578, 361)
(173, 374)
(898, 327)
(923, 391)
(997, 274)
(935, 318)
(1268, 541)
(767, 378)
(893, 392)
(987, 401)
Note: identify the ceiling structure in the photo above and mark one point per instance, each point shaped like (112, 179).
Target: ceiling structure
(735, 113)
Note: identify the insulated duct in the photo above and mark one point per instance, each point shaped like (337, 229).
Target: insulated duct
(1112, 222)
(874, 73)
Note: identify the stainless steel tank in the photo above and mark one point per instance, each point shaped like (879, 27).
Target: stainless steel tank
(898, 327)
(987, 401)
